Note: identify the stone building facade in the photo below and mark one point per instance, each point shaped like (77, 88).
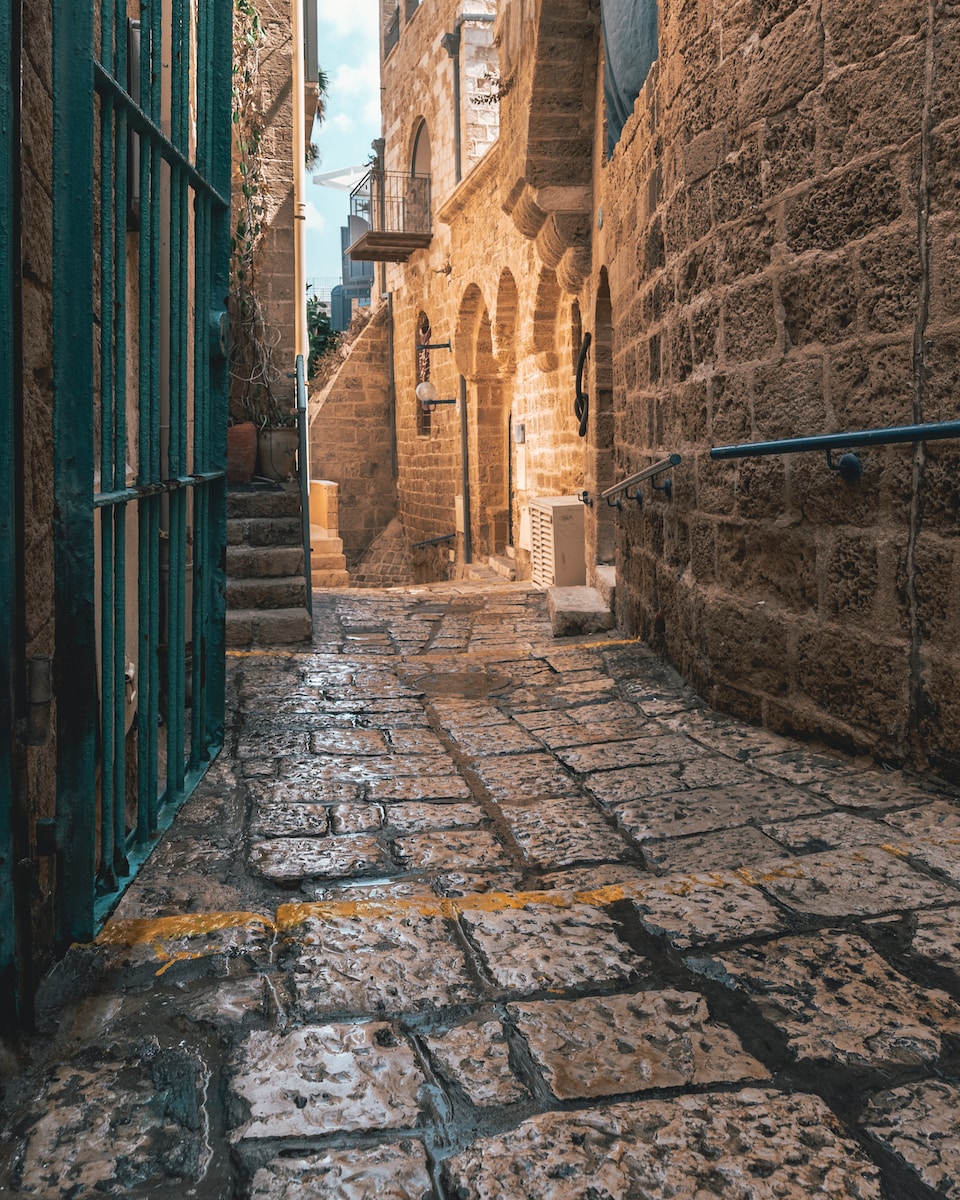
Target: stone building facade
(767, 250)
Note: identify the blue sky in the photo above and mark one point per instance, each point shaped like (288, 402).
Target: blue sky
(349, 54)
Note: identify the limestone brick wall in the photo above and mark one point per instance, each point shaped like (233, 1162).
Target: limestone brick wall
(350, 438)
(484, 288)
(780, 229)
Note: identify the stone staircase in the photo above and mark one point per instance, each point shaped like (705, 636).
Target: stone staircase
(266, 589)
(328, 566)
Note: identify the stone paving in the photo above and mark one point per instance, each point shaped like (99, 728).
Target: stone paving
(467, 912)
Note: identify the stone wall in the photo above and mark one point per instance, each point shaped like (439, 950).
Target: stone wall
(770, 251)
(351, 439)
(780, 231)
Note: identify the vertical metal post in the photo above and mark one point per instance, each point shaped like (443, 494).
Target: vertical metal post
(465, 472)
(73, 143)
(303, 474)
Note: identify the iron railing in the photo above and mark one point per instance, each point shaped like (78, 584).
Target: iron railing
(937, 431)
(393, 202)
(303, 475)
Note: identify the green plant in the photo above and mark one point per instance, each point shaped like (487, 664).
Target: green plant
(323, 338)
(252, 371)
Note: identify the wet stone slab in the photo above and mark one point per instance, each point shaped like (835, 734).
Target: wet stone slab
(800, 766)
(287, 860)
(433, 786)
(284, 818)
(451, 850)
(919, 1123)
(541, 946)
(828, 831)
(610, 1045)
(706, 809)
(937, 938)
(105, 1129)
(575, 733)
(932, 819)
(355, 818)
(389, 961)
(363, 768)
(418, 818)
(749, 1145)
(294, 789)
(640, 752)
(836, 999)
(621, 787)
(740, 742)
(495, 740)
(560, 832)
(873, 789)
(475, 1056)
(723, 848)
(391, 1172)
(689, 910)
(519, 778)
(860, 883)
(325, 1079)
(590, 878)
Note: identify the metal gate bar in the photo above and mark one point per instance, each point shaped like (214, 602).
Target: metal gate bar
(156, 363)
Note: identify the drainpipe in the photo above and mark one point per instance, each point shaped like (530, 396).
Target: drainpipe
(301, 338)
(465, 472)
(451, 43)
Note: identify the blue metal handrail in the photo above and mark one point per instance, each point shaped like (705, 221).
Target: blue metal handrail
(303, 475)
(935, 432)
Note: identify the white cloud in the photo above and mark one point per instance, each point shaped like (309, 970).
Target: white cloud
(315, 220)
(350, 19)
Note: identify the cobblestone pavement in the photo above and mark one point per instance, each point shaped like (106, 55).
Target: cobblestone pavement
(467, 912)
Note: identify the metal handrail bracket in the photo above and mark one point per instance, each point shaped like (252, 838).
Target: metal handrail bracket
(647, 473)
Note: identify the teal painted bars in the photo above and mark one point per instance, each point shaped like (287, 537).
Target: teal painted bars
(142, 157)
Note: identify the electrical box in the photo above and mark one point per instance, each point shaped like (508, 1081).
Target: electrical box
(557, 555)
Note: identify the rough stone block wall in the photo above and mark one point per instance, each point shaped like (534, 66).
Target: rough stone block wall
(781, 234)
(36, 236)
(350, 438)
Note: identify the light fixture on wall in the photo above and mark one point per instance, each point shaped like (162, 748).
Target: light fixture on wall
(428, 396)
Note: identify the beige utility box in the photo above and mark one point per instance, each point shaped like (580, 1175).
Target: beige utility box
(556, 542)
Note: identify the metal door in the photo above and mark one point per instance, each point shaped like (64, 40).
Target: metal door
(141, 245)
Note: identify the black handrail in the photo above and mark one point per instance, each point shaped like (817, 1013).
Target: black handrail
(647, 473)
(581, 403)
(937, 431)
(446, 537)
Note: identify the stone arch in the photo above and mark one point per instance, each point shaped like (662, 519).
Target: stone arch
(420, 157)
(505, 321)
(488, 424)
(545, 312)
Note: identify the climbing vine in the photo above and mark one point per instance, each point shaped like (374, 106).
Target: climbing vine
(252, 371)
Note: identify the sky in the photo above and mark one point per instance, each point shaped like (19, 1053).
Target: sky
(349, 54)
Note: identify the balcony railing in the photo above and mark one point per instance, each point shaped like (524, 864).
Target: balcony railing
(393, 209)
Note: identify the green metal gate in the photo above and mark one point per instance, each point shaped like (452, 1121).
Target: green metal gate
(141, 245)
(8, 975)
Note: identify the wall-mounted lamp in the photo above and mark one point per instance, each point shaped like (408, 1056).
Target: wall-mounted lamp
(429, 397)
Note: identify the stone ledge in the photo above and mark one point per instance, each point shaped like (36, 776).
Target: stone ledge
(576, 610)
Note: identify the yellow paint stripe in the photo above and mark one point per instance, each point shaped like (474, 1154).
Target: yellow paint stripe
(138, 931)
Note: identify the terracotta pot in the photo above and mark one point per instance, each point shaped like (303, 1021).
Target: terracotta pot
(241, 452)
(278, 453)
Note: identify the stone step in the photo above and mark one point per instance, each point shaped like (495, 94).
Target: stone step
(268, 627)
(326, 578)
(282, 503)
(481, 573)
(605, 581)
(286, 592)
(323, 542)
(264, 531)
(261, 562)
(577, 610)
(505, 567)
(327, 562)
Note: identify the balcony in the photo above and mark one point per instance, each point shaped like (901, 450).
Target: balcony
(391, 209)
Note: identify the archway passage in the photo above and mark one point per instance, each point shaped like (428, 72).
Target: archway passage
(489, 428)
(601, 529)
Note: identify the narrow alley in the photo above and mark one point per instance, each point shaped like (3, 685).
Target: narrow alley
(467, 911)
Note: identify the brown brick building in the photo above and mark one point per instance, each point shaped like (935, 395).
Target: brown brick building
(766, 249)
